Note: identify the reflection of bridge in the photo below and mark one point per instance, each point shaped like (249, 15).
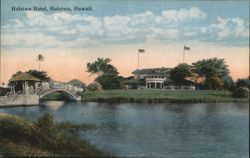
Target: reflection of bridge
(31, 94)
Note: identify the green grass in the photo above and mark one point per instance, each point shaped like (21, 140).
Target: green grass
(43, 138)
(160, 96)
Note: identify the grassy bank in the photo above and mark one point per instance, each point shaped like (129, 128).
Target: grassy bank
(44, 138)
(161, 96)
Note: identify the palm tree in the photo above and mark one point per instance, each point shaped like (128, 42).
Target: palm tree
(40, 58)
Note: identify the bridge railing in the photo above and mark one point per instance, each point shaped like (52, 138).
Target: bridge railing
(45, 87)
(69, 87)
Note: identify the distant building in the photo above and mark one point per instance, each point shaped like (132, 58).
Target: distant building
(154, 78)
(77, 83)
(73, 85)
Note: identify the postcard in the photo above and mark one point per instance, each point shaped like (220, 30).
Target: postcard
(124, 78)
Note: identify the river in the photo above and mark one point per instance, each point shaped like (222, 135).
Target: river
(165, 130)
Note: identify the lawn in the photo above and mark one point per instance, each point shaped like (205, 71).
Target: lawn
(158, 96)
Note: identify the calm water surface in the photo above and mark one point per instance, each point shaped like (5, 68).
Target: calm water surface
(169, 130)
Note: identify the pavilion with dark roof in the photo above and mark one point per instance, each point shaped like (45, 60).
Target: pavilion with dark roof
(22, 79)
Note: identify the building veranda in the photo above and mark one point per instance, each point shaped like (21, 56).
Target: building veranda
(154, 78)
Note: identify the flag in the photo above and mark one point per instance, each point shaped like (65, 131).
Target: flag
(186, 48)
(141, 50)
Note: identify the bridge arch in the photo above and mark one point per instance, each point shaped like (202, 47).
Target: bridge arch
(67, 94)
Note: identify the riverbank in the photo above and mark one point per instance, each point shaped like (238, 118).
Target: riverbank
(161, 96)
(43, 138)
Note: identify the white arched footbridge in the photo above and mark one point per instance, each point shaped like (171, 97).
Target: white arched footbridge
(68, 91)
(71, 96)
(33, 94)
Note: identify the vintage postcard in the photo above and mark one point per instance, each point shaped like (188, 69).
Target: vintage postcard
(124, 78)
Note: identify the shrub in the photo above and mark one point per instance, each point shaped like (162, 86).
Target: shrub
(241, 92)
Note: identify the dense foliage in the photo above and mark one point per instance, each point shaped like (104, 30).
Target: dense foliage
(179, 73)
(212, 67)
(42, 75)
(229, 83)
(215, 71)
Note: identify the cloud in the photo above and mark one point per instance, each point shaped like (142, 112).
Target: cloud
(117, 24)
(184, 14)
(38, 40)
(62, 29)
(229, 28)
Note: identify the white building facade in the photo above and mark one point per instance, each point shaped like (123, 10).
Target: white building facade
(153, 78)
(155, 81)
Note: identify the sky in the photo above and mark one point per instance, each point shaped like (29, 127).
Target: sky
(116, 30)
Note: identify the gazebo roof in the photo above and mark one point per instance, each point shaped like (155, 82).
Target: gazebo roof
(24, 77)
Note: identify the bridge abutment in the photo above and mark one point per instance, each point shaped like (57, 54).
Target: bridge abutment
(25, 99)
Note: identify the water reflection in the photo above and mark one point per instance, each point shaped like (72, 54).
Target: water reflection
(174, 130)
(53, 105)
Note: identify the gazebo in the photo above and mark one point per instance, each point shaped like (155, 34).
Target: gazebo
(23, 78)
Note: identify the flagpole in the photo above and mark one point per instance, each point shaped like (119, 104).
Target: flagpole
(138, 61)
(183, 56)
(0, 68)
(138, 65)
(185, 48)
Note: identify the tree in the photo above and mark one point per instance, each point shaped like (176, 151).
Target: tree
(229, 84)
(107, 74)
(42, 75)
(179, 73)
(40, 58)
(17, 73)
(215, 71)
(212, 67)
(110, 82)
(102, 66)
